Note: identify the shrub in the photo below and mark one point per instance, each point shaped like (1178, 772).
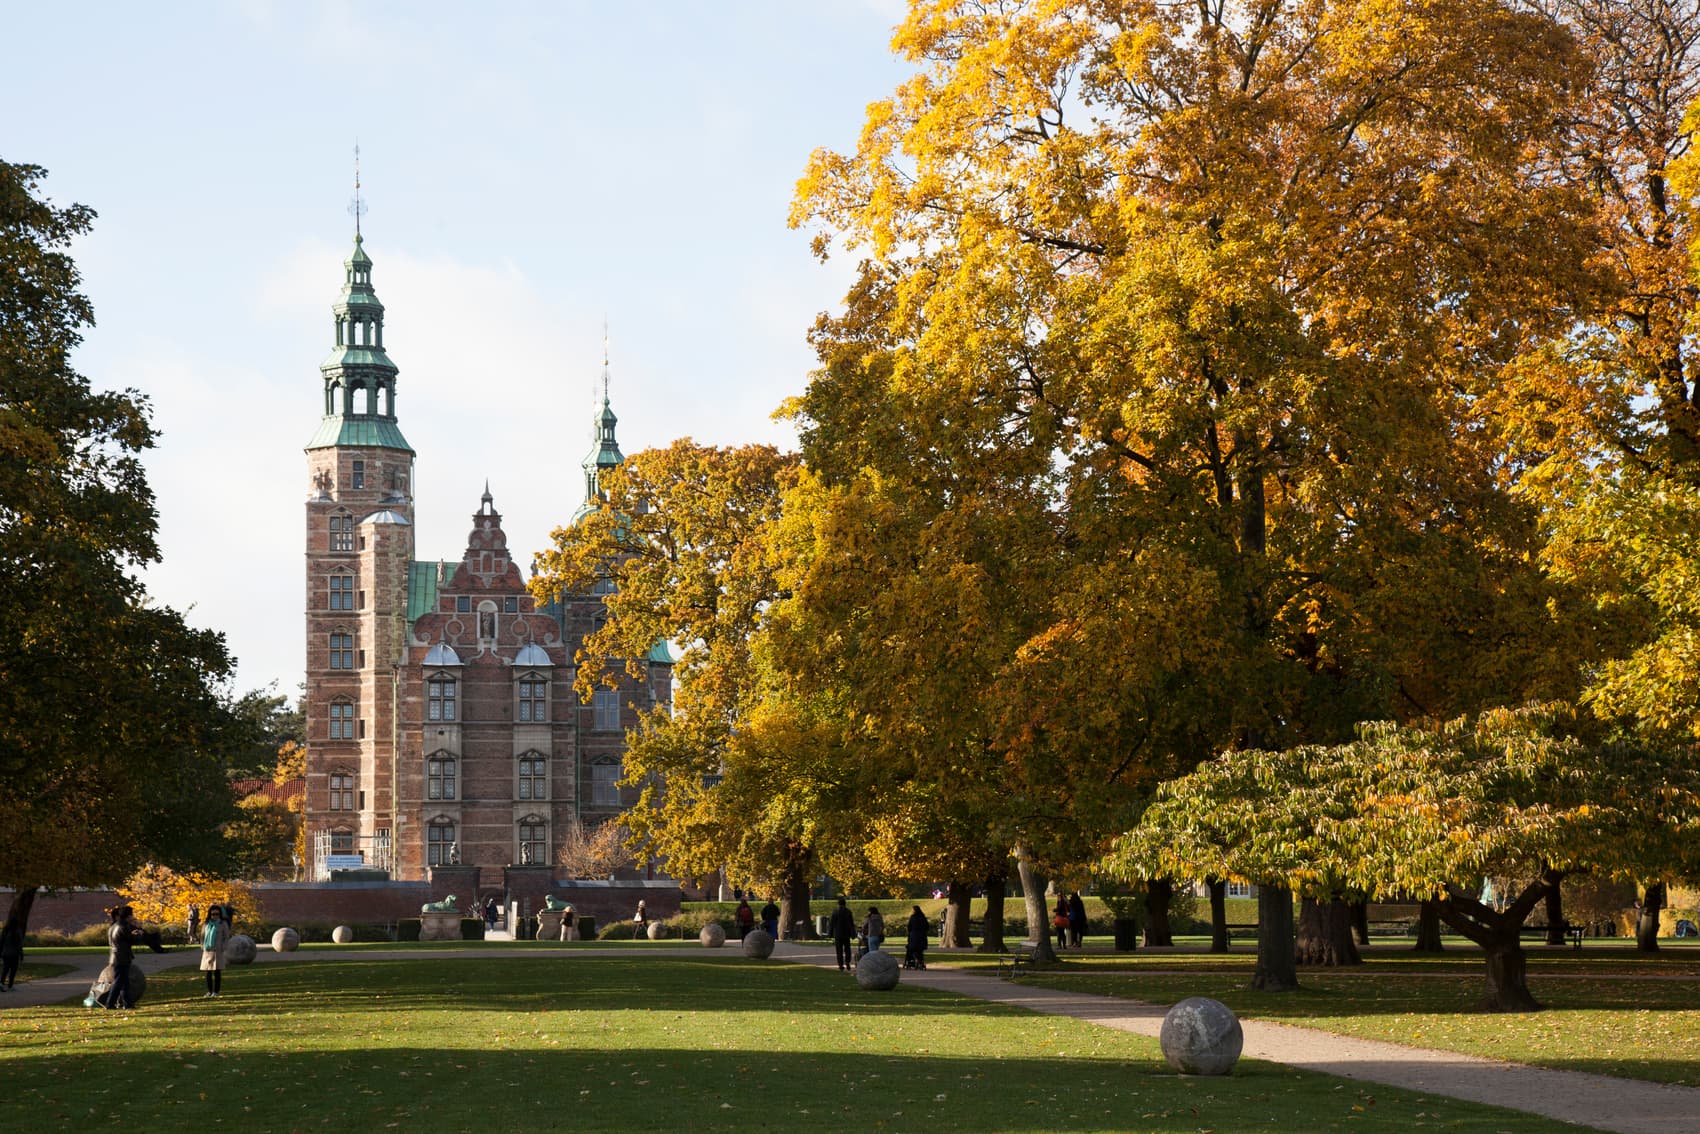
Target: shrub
(618, 931)
(407, 929)
(472, 928)
(691, 922)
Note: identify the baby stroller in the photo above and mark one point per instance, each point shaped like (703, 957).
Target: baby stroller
(915, 958)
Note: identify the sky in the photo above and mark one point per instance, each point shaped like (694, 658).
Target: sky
(530, 171)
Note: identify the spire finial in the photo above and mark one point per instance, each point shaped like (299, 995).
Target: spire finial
(357, 207)
(604, 359)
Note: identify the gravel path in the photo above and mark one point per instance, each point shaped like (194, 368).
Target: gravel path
(1626, 1106)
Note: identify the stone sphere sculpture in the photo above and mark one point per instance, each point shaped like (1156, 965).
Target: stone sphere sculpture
(1201, 1037)
(878, 971)
(712, 936)
(103, 984)
(656, 931)
(240, 950)
(286, 940)
(758, 946)
(342, 935)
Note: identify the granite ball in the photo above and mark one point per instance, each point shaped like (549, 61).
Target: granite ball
(878, 971)
(286, 940)
(758, 946)
(343, 935)
(656, 931)
(240, 950)
(712, 936)
(1201, 1037)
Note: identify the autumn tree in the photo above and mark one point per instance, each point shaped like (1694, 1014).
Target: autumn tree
(1217, 287)
(1429, 812)
(679, 534)
(115, 733)
(595, 853)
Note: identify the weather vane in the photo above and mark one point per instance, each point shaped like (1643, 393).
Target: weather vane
(605, 358)
(357, 207)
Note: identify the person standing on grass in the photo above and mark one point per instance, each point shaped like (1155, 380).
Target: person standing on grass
(744, 918)
(841, 929)
(120, 953)
(11, 953)
(915, 944)
(213, 937)
(1059, 921)
(770, 919)
(873, 928)
(1076, 919)
(194, 925)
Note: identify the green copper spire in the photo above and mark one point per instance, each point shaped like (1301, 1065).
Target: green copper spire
(605, 453)
(359, 377)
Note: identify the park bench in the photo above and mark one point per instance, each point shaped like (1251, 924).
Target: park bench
(1021, 951)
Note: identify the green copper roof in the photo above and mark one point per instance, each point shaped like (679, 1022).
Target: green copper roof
(357, 356)
(359, 256)
(373, 431)
(662, 654)
(422, 578)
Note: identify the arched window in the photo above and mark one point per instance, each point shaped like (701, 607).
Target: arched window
(604, 784)
(533, 776)
(342, 533)
(342, 791)
(342, 591)
(342, 720)
(440, 699)
(440, 845)
(606, 703)
(533, 697)
(533, 840)
(440, 776)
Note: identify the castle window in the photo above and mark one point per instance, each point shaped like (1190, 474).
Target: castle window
(440, 777)
(606, 703)
(440, 699)
(359, 477)
(510, 605)
(440, 846)
(342, 720)
(604, 585)
(533, 698)
(533, 840)
(342, 791)
(463, 604)
(342, 592)
(342, 651)
(533, 776)
(342, 842)
(604, 784)
(342, 533)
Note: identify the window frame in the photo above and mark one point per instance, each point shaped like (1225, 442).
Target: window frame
(442, 770)
(344, 786)
(441, 696)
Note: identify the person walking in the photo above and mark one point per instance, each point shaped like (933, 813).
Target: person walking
(11, 953)
(873, 928)
(120, 953)
(489, 914)
(744, 918)
(213, 937)
(915, 943)
(770, 919)
(642, 917)
(842, 929)
(1059, 921)
(1076, 919)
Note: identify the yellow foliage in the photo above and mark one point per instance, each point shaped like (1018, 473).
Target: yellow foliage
(163, 897)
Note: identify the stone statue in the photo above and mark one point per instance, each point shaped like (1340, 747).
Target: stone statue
(551, 902)
(447, 905)
(322, 482)
(454, 854)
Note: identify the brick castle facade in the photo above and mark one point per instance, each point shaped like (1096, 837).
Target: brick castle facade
(442, 725)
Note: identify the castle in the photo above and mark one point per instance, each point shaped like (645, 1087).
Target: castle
(442, 725)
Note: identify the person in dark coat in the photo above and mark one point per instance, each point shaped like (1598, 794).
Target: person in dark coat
(842, 930)
(1076, 919)
(770, 919)
(11, 954)
(120, 954)
(744, 918)
(915, 947)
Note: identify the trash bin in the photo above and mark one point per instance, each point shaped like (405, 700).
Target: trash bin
(1127, 935)
(821, 923)
(587, 929)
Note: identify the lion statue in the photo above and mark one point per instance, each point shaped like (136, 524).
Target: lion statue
(447, 905)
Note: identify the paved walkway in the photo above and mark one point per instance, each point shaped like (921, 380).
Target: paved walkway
(1626, 1106)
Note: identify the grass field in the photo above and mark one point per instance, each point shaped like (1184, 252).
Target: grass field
(596, 1042)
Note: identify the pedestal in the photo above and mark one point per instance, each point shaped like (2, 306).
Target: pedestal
(440, 926)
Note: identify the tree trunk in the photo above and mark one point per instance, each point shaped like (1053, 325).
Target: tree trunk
(1507, 979)
(956, 913)
(991, 939)
(1556, 925)
(1218, 915)
(794, 900)
(1325, 934)
(1428, 928)
(23, 900)
(1033, 896)
(1276, 970)
(1159, 892)
(1360, 919)
(1647, 924)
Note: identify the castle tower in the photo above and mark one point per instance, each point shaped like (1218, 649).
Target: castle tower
(359, 544)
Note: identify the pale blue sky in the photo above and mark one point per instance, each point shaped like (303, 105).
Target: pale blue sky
(529, 168)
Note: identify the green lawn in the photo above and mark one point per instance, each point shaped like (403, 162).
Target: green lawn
(595, 1042)
(1609, 1010)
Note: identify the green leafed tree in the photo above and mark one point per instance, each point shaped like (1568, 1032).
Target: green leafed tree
(115, 736)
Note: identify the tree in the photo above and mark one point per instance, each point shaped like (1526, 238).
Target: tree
(680, 534)
(1429, 813)
(163, 897)
(1192, 263)
(114, 730)
(596, 853)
